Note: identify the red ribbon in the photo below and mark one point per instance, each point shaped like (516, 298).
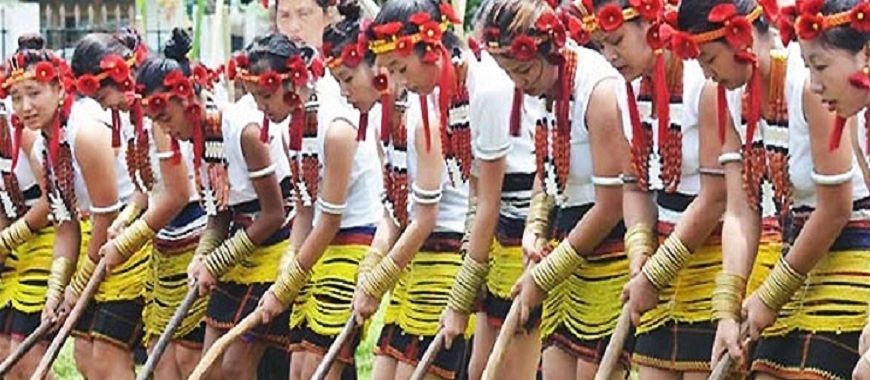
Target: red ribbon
(837, 133)
(516, 112)
(116, 129)
(363, 126)
(662, 100)
(721, 112)
(264, 129)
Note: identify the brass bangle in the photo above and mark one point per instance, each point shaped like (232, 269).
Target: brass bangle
(382, 278)
(62, 270)
(557, 266)
(780, 285)
(133, 238)
(664, 265)
(82, 276)
(13, 236)
(639, 240)
(467, 284)
(289, 282)
(538, 220)
(210, 240)
(129, 214)
(469, 224)
(728, 296)
(372, 259)
(229, 253)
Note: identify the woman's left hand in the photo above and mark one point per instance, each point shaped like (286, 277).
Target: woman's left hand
(758, 316)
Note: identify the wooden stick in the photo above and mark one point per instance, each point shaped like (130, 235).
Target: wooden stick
(35, 337)
(720, 371)
(334, 349)
(221, 345)
(177, 318)
(70, 322)
(429, 357)
(505, 335)
(614, 348)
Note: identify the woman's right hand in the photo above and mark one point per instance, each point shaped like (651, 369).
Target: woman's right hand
(270, 307)
(199, 274)
(534, 248)
(727, 342)
(641, 295)
(51, 313)
(453, 323)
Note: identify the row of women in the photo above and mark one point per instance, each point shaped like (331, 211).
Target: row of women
(702, 162)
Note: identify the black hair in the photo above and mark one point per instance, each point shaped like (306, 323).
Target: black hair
(401, 11)
(91, 49)
(271, 52)
(843, 37)
(32, 48)
(692, 15)
(150, 75)
(516, 17)
(346, 31)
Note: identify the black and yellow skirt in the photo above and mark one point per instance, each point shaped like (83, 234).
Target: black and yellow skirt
(115, 312)
(23, 284)
(816, 334)
(580, 314)
(323, 305)
(505, 268)
(167, 283)
(678, 334)
(416, 302)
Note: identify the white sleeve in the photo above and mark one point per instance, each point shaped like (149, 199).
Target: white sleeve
(489, 115)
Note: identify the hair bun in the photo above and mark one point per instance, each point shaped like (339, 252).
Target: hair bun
(178, 45)
(349, 9)
(129, 37)
(31, 42)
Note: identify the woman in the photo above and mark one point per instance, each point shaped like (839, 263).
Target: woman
(815, 183)
(579, 281)
(173, 208)
(228, 151)
(837, 59)
(82, 174)
(319, 277)
(26, 239)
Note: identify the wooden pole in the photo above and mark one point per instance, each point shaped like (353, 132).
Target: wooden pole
(217, 350)
(614, 348)
(429, 357)
(334, 349)
(35, 337)
(177, 318)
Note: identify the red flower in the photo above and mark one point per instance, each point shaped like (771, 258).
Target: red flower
(558, 36)
(475, 47)
(809, 6)
(242, 61)
(860, 17)
(316, 68)
(448, 13)
(231, 69)
(430, 32)
(298, 71)
(649, 10)
(326, 50)
(44, 72)
(115, 67)
(156, 103)
(546, 22)
(389, 29)
(786, 30)
(809, 25)
(380, 82)
(87, 85)
(193, 111)
(420, 18)
(683, 45)
(771, 9)
(270, 80)
(658, 36)
(722, 13)
(523, 48)
(127, 85)
(201, 75)
(141, 54)
(610, 17)
(745, 56)
(671, 18)
(292, 100)
(3, 93)
(738, 32)
(404, 46)
(431, 55)
(183, 89)
(351, 56)
(173, 78)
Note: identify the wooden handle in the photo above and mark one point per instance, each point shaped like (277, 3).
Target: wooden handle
(505, 335)
(335, 348)
(614, 348)
(429, 357)
(177, 318)
(221, 345)
(720, 371)
(24, 347)
(74, 315)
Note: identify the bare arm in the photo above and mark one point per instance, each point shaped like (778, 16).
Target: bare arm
(97, 160)
(339, 149)
(487, 188)
(257, 157)
(176, 190)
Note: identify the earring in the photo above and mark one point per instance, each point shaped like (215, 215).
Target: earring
(861, 78)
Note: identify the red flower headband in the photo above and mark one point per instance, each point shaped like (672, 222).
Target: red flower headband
(351, 55)
(526, 46)
(298, 72)
(54, 68)
(429, 32)
(113, 67)
(806, 21)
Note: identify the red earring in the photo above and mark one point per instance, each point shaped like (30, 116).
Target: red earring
(861, 78)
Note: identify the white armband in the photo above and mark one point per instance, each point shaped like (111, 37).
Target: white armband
(607, 181)
(331, 208)
(833, 179)
(730, 157)
(108, 209)
(425, 197)
(264, 172)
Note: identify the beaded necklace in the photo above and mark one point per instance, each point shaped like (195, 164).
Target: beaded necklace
(215, 168)
(670, 145)
(10, 194)
(777, 141)
(552, 139)
(456, 136)
(395, 145)
(305, 161)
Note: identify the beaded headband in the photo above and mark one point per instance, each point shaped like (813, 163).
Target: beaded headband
(737, 31)
(351, 55)
(526, 46)
(390, 36)
(805, 20)
(49, 69)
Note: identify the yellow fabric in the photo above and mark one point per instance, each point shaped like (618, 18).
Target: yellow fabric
(324, 302)
(33, 268)
(261, 266)
(832, 299)
(9, 280)
(588, 303)
(166, 288)
(505, 268)
(420, 296)
(127, 281)
(688, 298)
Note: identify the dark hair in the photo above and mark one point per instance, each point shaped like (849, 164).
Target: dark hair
(91, 49)
(150, 75)
(692, 15)
(843, 37)
(271, 52)
(401, 11)
(346, 31)
(516, 17)
(31, 47)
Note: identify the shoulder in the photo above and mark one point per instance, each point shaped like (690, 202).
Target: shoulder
(86, 111)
